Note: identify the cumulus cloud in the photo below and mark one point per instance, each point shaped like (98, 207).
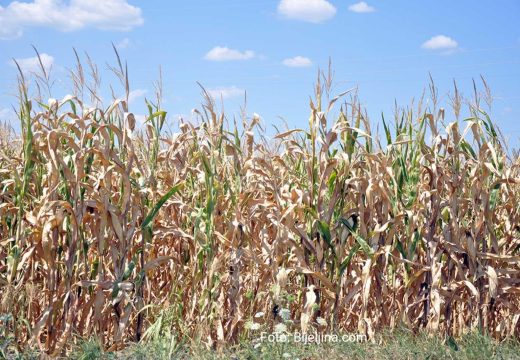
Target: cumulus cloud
(6, 114)
(32, 64)
(8, 117)
(136, 94)
(440, 42)
(314, 11)
(71, 15)
(124, 44)
(297, 61)
(222, 53)
(226, 92)
(361, 7)
(140, 118)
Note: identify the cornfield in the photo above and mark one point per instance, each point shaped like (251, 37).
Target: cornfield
(120, 231)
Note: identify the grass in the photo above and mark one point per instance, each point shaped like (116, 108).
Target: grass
(398, 344)
(125, 233)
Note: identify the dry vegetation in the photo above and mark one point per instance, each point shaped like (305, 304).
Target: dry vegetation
(121, 233)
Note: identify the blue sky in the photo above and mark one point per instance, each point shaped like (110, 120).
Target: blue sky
(273, 48)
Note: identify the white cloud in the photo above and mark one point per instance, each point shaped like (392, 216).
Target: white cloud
(7, 116)
(361, 7)
(225, 92)
(136, 94)
(140, 118)
(124, 44)
(32, 64)
(222, 53)
(297, 61)
(440, 42)
(314, 11)
(71, 15)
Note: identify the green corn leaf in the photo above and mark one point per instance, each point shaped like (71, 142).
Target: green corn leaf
(493, 197)
(467, 149)
(348, 259)
(324, 230)
(387, 131)
(362, 242)
(153, 212)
